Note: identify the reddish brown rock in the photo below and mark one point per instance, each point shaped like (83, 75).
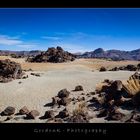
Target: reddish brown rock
(33, 114)
(24, 111)
(9, 70)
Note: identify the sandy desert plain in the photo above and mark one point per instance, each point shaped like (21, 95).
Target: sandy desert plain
(35, 92)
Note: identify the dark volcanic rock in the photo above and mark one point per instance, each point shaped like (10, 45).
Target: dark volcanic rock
(35, 74)
(114, 69)
(102, 113)
(131, 67)
(64, 101)
(114, 91)
(136, 99)
(32, 115)
(128, 68)
(9, 70)
(54, 55)
(8, 111)
(55, 100)
(78, 88)
(49, 114)
(81, 99)
(114, 114)
(63, 114)
(63, 93)
(102, 69)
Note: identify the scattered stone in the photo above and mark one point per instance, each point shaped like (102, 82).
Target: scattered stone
(78, 88)
(54, 120)
(30, 70)
(63, 93)
(92, 93)
(73, 99)
(55, 100)
(77, 119)
(103, 113)
(81, 99)
(82, 93)
(24, 111)
(8, 118)
(32, 115)
(102, 69)
(63, 114)
(128, 67)
(115, 69)
(8, 111)
(19, 82)
(64, 101)
(25, 77)
(114, 114)
(49, 114)
(35, 74)
(94, 99)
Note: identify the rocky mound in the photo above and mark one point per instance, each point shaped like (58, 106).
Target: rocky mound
(54, 55)
(9, 70)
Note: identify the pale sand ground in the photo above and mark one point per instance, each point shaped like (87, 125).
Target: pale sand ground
(35, 92)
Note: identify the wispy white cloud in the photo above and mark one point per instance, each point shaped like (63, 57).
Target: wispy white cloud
(15, 41)
(6, 40)
(51, 37)
(27, 46)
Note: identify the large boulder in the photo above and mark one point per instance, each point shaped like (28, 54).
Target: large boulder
(131, 67)
(8, 111)
(10, 70)
(63, 93)
(24, 110)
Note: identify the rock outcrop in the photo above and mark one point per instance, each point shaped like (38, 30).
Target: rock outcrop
(54, 55)
(9, 70)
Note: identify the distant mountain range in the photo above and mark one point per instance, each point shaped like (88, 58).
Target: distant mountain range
(97, 53)
(19, 53)
(112, 54)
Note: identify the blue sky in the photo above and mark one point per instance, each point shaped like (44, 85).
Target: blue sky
(75, 29)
